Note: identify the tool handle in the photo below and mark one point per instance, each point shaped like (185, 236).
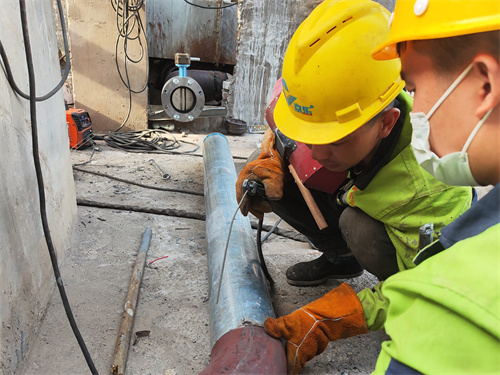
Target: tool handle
(311, 203)
(254, 188)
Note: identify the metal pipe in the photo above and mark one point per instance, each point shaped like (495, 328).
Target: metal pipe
(244, 297)
(123, 340)
(239, 344)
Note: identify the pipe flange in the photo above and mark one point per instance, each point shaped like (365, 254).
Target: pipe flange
(182, 99)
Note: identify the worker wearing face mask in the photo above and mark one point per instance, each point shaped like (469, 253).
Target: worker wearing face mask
(354, 115)
(453, 168)
(444, 314)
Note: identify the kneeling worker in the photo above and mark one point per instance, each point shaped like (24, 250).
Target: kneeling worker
(354, 115)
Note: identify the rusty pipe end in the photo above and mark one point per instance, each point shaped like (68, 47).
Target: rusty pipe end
(247, 350)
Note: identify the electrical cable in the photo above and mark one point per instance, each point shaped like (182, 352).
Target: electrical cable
(206, 7)
(41, 189)
(264, 239)
(259, 248)
(154, 260)
(149, 148)
(137, 183)
(130, 28)
(261, 254)
(89, 159)
(173, 212)
(227, 244)
(10, 76)
(151, 140)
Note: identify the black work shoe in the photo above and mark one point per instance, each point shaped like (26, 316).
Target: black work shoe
(320, 270)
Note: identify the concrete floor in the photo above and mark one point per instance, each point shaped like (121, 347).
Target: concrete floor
(173, 303)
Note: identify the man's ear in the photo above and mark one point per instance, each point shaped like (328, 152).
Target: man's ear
(389, 119)
(488, 71)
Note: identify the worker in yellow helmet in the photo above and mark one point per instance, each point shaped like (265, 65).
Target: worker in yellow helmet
(444, 315)
(354, 115)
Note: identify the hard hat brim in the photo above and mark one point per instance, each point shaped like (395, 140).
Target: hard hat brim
(386, 51)
(438, 21)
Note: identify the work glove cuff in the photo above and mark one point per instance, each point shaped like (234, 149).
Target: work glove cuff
(307, 331)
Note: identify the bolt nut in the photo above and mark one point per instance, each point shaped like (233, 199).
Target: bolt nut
(177, 117)
(176, 81)
(190, 82)
(190, 118)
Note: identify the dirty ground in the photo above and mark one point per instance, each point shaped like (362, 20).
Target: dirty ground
(173, 302)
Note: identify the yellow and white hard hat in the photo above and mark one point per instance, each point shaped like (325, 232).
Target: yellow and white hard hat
(433, 19)
(331, 84)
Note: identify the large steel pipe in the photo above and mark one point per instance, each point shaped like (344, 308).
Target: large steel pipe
(239, 344)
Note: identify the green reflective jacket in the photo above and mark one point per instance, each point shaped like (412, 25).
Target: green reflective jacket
(445, 313)
(404, 197)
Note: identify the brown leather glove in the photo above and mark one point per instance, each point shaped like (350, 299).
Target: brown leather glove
(307, 331)
(268, 169)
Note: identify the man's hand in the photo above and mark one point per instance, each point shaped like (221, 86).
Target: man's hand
(268, 169)
(307, 331)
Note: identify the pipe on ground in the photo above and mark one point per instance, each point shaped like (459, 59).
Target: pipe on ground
(239, 343)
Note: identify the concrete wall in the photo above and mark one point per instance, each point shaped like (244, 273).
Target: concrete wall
(97, 86)
(265, 29)
(26, 278)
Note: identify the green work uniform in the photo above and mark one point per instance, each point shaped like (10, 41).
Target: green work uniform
(444, 314)
(403, 196)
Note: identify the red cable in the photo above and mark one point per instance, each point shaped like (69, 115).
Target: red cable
(154, 260)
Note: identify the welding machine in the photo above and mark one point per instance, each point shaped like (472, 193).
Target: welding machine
(79, 128)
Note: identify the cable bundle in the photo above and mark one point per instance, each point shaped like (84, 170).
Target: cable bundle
(152, 140)
(130, 29)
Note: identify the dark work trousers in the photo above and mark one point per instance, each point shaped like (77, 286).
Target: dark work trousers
(350, 231)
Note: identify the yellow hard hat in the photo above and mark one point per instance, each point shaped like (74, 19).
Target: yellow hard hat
(331, 84)
(433, 19)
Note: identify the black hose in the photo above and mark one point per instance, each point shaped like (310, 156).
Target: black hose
(10, 76)
(41, 189)
(261, 254)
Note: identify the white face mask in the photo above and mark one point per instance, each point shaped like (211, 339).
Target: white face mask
(454, 168)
